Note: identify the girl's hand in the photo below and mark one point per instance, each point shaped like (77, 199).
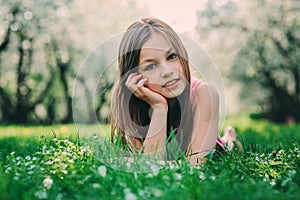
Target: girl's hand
(135, 83)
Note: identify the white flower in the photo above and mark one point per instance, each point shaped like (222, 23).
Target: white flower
(8, 170)
(157, 192)
(49, 163)
(129, 195)
(102, 171)
(212, 178)
(272, 182)
(178, 176)
(130, 159)
(202, 176)
(41, 194)
(48, 182)
(96, 185)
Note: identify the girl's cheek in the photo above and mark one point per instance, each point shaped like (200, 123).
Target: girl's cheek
(153, 87)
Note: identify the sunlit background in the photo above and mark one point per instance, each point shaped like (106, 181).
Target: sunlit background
(254, 44)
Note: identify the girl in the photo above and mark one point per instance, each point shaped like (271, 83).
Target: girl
(156, 103)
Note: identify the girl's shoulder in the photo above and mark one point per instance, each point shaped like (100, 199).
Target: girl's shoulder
(202, 90)
(195, 82)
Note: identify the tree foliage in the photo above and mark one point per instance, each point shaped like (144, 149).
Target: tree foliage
(267, 36)
(42, 44)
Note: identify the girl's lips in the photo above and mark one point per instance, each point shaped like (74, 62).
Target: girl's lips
(170, 84)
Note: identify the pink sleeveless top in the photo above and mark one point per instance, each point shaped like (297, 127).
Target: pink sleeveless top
(194, 84)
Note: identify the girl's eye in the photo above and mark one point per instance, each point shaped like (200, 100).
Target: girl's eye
(150, 67)
(172, 56)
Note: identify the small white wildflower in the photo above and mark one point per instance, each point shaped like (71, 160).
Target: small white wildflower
(156, 172)
(212, 178)
(48, 152)
(48, 182)
(171, 165)
(257, 159)
(136, 177)
(34, 158)
(64, 171)
(273, 182)
(142, 193)
(102, 171)
(59, 196)
(31, 167)
(56, 160)
(266, 178)
(49, 163)
(8, 170)
(63, 165)
(177, 176)
(155, 169)
(129, 195)
(157, 192)
(166, 178)
(41, 194)
(96, 186)
(202, 176)
(131, 160)
(162, 162)
(18, 158)
(128, 164)
(12, 153)
(64, 153)
(27, 157)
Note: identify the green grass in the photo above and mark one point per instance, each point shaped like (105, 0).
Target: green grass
(51, 162)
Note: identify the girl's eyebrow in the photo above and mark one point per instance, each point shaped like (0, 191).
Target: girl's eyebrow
(152, 60)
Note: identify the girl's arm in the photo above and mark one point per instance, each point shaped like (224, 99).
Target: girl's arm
(156, 135)
(206, 120)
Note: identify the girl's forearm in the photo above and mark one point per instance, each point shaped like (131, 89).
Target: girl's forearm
(156, 136)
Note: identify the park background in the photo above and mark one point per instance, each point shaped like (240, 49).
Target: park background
(43, 44)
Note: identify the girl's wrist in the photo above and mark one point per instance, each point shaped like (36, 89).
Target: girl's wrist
(160, 107)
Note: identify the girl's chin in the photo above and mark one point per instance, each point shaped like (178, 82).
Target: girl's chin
(173, 93)
(167, 92)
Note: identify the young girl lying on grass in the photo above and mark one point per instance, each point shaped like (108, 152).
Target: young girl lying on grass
(156, 102)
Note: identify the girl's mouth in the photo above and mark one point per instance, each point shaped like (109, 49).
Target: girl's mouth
(170, 84)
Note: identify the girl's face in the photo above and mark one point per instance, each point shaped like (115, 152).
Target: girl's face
(159, 63)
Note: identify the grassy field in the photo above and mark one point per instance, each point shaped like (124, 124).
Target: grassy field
(56, 162)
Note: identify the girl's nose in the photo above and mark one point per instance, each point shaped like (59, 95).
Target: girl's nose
(166, 72)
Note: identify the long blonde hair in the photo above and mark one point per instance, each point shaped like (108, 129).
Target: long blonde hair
(129, 114)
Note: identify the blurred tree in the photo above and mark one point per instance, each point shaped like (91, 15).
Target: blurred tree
(42, 44)
(28, 49)
(266, 35)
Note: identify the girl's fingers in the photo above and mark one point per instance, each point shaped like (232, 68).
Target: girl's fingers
(135, 81)
(141, 82)
(134, 78)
